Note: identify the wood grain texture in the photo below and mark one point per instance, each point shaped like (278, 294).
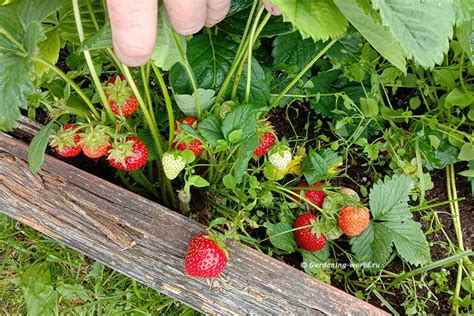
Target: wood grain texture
(147, 242)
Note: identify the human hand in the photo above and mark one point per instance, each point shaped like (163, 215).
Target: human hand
(134, 23)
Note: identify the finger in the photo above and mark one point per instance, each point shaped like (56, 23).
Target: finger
(186, 16)
(216, 11)
(133, 25)
(273, 9)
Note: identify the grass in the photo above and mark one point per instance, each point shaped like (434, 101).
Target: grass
(39, 276)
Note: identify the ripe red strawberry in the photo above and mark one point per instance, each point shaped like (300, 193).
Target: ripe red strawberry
(128, 154)
(204, 258)
(120, 96)
(264, 144)
(353, 221)
(183, 140)
(266, 138)
(66, 141)
(306, 238)
(314, 196)
(95, 141)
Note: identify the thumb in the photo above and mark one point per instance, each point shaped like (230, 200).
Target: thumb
(273, 9)
(134, 24)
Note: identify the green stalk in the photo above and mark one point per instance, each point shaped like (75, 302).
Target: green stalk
(238, 56)
(189, 71)
(243, 60)
(169, 107)
(166, 184)
(431, 266)
(90, 64)
(146, 80)
(452, 195)
(142, 104)
(250, 51)
(63, 76)
(302, 72)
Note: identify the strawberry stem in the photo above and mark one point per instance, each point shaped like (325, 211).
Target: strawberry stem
(169, 107)
(90, 64)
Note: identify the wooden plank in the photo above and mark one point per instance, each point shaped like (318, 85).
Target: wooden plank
(147, 242)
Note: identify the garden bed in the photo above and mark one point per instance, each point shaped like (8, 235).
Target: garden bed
(147, 242)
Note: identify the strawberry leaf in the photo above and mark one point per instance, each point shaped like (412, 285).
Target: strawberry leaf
(20, 33)
(389, 199)
(38, 146)
(409, 241)
(373, 246)
(316, 264)
(317, 165)
(211, 129)
(281, 236)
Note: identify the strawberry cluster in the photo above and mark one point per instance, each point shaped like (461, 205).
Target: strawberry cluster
(94, 140)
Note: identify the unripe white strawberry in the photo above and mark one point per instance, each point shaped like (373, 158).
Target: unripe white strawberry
(280, 157)
(173, 164)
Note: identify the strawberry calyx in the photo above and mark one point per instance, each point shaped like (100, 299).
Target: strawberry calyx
(94, 137)
(67, 136)
(219, 239)
(121, 150)
(118, 90)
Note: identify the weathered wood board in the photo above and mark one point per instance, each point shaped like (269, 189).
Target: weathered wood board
(147, 242)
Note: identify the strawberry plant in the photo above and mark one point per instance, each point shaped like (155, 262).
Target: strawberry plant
(316, 136)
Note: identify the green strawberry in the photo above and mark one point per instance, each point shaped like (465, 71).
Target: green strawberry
(280, 156)
(173, 164)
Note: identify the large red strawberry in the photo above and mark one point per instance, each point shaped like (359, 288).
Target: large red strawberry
(66, 141)
(128, 154)
(95, 141)
(306, 238)
(120, 96)
(184, 140)
(353, 221)
(204, 257)
(266, 138)
(314, 196)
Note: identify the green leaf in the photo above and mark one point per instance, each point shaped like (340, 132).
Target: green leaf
(281, 236)
(187, 103)
(467, 152)
(20, 33)
(467, 173)
(73, 291)
(245, 154)
(15, 86)
(259, 89)
(376, 34)
(317, 165)
(373, 246)
(229, 182)
(36, 10)
(100, 40)
(166, 52)
(459, 98)
(462, 10)
(318, 19)
(409, 241)
(243, 118)
(292, 49)
(423, 28)
(211, 129)
(389, 199)
(235, 24)
(49, 50)
(39, 295)
(198, 181)
(210, 58)
(38, 147)
(316, 264)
